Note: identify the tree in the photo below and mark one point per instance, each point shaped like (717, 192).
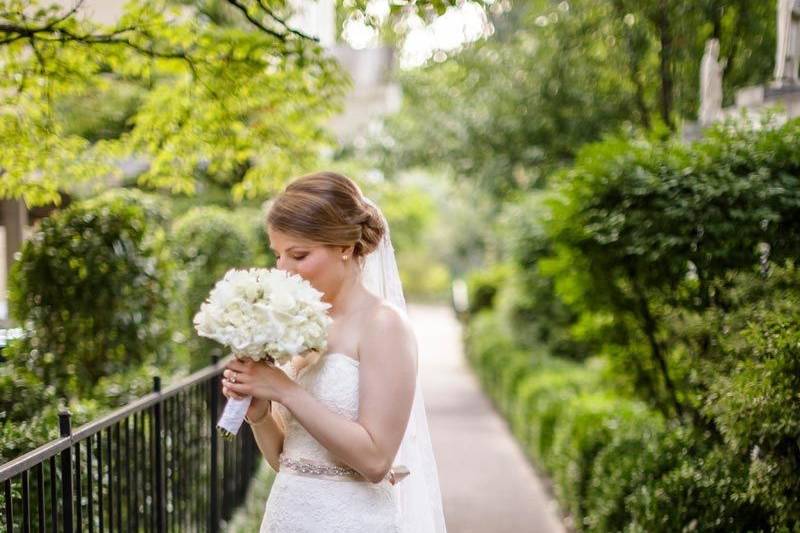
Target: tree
(507, 111)
(229, 88)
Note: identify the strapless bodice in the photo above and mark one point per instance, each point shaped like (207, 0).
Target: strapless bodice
(333, 380)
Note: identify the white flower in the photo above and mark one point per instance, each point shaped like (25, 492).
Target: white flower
(264, 311)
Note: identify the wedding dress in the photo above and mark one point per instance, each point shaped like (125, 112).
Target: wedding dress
(312, 491)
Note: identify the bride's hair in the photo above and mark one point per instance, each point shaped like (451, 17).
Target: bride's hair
(327, 208)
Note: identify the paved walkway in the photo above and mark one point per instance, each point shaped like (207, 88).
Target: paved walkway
(487, 484)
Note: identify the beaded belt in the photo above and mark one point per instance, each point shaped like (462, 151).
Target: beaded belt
(307, 467)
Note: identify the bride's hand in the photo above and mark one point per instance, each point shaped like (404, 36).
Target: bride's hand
(260, 379)
(257, 409)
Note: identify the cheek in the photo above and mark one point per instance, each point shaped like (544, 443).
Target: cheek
(313, 268)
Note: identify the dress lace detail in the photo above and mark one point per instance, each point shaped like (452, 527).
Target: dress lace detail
(328, 501)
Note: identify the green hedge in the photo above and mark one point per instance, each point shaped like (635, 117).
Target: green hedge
(617, 464)
(626, 462)
(586, 425)
(676, 264)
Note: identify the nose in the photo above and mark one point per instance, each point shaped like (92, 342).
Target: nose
(285, 265)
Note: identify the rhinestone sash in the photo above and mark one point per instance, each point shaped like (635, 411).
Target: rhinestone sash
(306, 467)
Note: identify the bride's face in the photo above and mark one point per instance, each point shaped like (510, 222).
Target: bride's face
(320, 265)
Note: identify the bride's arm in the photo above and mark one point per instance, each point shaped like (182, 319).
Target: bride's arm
(387, 374)
(269, 433)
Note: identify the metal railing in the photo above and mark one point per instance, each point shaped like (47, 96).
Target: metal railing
(156, 464)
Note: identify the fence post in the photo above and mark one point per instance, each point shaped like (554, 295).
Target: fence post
(159, 453)
(213, 404)
(65, 430)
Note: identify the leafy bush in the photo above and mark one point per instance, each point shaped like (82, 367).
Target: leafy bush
(21, 393)
(704, 491)
(92, 288)
(482, 286)
(629, 460)
(485, 339)
(676, 265)
(206, 242)
(653, 231)
(537, 317)
(586, 426)
(542, 397)
(250, 221)
(756, 402)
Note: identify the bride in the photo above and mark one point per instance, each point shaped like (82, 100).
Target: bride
(346, 431)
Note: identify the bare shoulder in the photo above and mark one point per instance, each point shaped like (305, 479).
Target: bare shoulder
(386, 329)
(386, 314)
(386, 319)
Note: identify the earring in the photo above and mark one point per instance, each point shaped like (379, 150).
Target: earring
(344, 258)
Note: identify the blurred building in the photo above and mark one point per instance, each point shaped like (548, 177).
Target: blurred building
(373, 93)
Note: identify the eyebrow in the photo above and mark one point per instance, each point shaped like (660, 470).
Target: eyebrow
(288, 249)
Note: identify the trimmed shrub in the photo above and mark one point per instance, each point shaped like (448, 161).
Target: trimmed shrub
(704, 491)
(544, 395)
(756, 404)
(250, 221)
(588, 424)
(206, 242)
(628, 461)
(92, 288)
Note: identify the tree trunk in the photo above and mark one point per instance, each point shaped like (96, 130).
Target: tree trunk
(664, 29)
(649, 326)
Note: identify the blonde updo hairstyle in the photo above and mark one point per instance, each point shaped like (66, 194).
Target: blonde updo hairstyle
(329, 209)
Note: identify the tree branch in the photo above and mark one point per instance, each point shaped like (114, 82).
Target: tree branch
(112, 39)
(283, 23)
(49, 33)
(67, 15)
(257, 23)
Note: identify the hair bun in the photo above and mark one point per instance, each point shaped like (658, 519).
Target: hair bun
(329, 209)
(372, 230)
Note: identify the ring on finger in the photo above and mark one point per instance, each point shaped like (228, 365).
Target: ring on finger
(233, 377)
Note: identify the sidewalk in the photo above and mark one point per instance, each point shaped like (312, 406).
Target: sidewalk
(487, 484)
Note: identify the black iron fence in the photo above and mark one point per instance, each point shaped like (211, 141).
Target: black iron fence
(156, 464)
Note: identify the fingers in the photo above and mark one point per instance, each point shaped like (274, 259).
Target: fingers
(236, 390)
(235, 377)
(230, 394)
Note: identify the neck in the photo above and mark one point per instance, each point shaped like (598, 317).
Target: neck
(348, 294)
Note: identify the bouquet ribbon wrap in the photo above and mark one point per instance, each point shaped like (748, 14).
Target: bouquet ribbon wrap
(233, 414)
(235, 410)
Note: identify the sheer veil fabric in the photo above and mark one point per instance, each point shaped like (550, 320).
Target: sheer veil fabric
(419, 498)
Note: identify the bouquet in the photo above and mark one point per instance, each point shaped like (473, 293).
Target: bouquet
(263, 314)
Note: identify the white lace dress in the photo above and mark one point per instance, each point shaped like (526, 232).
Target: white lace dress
(326, 500)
